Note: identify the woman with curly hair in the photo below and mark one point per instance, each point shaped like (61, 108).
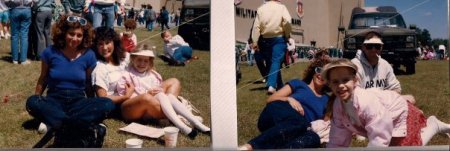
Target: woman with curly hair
(110, 67)
(285, 121)
(65, 72)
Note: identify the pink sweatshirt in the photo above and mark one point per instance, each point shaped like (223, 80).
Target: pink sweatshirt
(381, 115)
(143, 82)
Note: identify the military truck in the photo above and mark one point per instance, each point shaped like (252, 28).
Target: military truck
(400, 42)
(195, 23)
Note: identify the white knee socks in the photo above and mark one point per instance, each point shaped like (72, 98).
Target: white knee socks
(433, 127)
(183, 111)
(170, 113)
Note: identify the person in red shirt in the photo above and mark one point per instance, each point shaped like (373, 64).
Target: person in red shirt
(128, 38)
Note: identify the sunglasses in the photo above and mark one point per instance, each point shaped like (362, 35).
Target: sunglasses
(370, 46)
(318, 70)
(73, 19)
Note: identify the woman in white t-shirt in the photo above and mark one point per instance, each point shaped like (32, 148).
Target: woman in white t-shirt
(112, 60)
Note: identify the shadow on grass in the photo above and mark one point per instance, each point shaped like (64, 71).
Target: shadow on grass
(31, 124)
(6, 58)
(259, 88)
(399, 72)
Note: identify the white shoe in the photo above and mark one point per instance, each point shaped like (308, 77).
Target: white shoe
(271, 90)
(42, 129)
(7, 35)
(26, 62)
(15, 62)
(360, 138)
(243, 147)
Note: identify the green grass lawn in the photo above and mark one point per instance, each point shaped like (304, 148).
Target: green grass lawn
(429, 86)
(18, 83)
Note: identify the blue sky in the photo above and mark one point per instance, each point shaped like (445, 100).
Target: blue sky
(429, 14)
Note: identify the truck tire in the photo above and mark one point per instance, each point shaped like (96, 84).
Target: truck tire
(410, 68)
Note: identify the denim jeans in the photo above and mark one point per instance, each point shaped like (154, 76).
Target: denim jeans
(103, 10)
(149, 25)
(273, 51)
(282, 127)
(20, 24)
(41, 25)
(119, 20)
(260, 63)
(250, 57)
(68, 107)
(182, 54)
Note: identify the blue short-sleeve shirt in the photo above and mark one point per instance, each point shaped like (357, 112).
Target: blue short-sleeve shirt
(313, 105)
(67, 74)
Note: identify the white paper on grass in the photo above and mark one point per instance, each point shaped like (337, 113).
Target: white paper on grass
(143, 130)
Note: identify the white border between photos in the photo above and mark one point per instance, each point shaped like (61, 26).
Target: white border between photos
(223, 76)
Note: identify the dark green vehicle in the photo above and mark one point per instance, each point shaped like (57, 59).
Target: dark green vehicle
(400, 42)
(195, 23)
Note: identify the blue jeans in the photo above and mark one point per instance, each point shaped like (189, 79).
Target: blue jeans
(182, 54)
(149, 25)
(42, 24)
(250, 57)
(260, 63)
(273, 51)
(119, 20)
(282, 127)
(103, 10)
(20, 24)
(68, 107)
(4, 17)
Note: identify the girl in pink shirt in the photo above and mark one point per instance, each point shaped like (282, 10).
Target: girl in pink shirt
(383, 116)
(145, 79)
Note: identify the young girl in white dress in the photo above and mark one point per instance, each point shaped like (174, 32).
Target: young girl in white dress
(145, 79)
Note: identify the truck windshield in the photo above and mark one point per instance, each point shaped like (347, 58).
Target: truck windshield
(361, 21)
(196, 3)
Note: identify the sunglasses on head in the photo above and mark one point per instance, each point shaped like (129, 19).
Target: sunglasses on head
(370, 46)
(74, 19)
(318, 70)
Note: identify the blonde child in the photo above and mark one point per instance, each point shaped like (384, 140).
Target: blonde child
(384, 116)
(140, 73)
(177, 49)
(128, 38)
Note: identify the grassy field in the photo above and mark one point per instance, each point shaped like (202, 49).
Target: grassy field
(18, 82)
(429, 86)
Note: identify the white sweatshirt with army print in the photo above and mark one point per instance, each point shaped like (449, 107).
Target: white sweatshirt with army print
(380, 76)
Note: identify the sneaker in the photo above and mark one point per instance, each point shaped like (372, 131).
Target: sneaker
(42, 129)
(15, 62)
(7, 35)
(360, 138)
(26, 62)
(271, 90)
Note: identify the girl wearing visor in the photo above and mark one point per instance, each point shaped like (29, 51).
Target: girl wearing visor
(384, 116)
(143, 76)
(65, 72)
